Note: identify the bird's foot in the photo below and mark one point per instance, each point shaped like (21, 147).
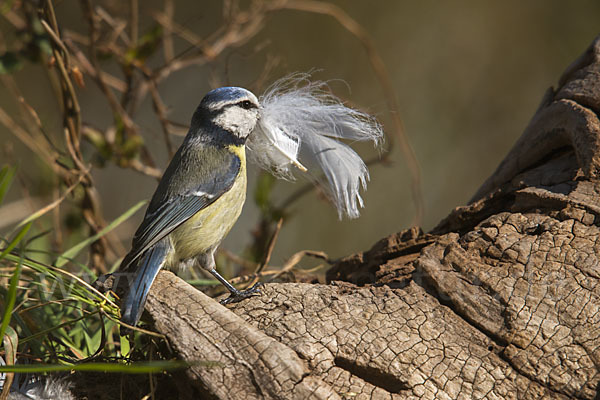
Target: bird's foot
(240, 295)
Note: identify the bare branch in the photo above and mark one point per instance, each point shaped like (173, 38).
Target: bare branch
(99, 75)
(161, 112)
(34, 145)
(270, 248)
(87, 67)
(168, 47)
(133, 21)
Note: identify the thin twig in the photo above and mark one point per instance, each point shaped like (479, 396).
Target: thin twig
(297, 257)
(72, 130)
(270, 248)
(133, 328)
(118, 26)
(31, 114)
(138, 166)
(58, 42)
(245, 264)
(168, 47)
(70, 102)
(16, 20)
(117, 108)
(58, 229)
(84, 63)
(161, 112)
(243, 26)
(165, 20)
(133, 22)
(52, 205)
(34, 145)
(110, 96)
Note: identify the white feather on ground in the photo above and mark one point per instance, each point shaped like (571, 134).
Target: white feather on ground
(301, 122)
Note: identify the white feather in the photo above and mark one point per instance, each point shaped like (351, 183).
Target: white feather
(277, 150)
(300, 119)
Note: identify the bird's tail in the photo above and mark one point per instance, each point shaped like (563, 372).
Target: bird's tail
(145, 273)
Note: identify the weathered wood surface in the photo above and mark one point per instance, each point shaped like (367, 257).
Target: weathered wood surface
(501, 300)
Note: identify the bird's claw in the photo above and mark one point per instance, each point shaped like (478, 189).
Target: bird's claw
(240, 295)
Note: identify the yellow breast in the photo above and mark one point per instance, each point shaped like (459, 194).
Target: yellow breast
(208, 227)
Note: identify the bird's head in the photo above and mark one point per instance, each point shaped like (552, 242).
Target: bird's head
(232, 109)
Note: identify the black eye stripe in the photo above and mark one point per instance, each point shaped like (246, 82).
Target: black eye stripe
(246, 104)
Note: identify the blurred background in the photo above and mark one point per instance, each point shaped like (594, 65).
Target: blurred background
(467, 76)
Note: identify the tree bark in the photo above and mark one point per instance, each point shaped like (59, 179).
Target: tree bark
(500, 300)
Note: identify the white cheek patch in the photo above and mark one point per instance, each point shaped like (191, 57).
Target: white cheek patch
(300, 120)
(237, 120)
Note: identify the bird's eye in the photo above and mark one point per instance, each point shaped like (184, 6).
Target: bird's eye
(246, 104)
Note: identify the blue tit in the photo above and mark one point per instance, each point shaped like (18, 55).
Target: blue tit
(198, 199)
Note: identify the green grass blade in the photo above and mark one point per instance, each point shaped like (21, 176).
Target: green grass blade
(6, 176)
(125, 348)
(73, 251)
(45, 332)
(135, 368)
(9, 301)
(82, 291)
(10, 341)
(18, 237)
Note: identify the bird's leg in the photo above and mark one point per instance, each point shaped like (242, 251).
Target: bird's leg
(207, 260)
(235, 294)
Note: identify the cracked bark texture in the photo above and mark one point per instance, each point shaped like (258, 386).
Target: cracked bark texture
(500, 300)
